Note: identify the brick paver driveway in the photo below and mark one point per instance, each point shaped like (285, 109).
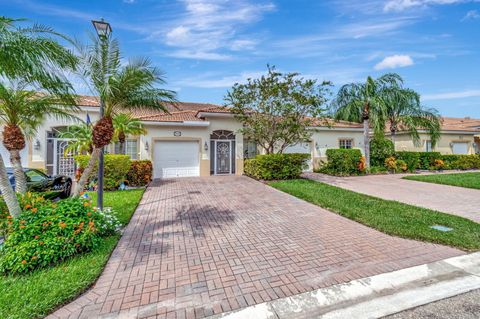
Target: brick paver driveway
(201, 246)
(454, 200)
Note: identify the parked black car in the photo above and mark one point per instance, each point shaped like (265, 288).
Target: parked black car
(48, 186)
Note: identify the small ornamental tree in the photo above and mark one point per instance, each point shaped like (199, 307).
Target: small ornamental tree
(277, 108)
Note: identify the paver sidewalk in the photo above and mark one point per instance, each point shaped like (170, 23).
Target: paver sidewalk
(454, 200)
(201, 246)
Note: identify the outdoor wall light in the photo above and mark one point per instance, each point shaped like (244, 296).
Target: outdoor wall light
(102, 27)
(205, 146)
(146, 146)
(36, 146)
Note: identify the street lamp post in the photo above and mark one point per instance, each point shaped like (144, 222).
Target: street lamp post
(103, 30)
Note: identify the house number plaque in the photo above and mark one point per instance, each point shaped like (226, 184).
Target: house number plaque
(177, 133)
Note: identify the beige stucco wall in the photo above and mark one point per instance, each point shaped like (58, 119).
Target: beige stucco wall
(202, 134)
(403, 142)
(323, 139)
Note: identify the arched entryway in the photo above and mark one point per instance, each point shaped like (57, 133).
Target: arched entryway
(222, 152)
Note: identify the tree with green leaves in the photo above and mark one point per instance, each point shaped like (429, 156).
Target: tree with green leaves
(366, 102)
(120, 86)
(22, 111)
(405, 113)
(277, 108)
(80, 136)
(124, 124)
(33, 57)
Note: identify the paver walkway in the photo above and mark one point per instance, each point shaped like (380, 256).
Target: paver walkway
(201, 246)
(454, 200)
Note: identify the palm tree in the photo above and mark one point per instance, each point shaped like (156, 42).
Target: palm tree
(405, 113)
(124, 124)
(365, 102)
(22, 111)
(80, 136)
(120, 87)
(31, 55)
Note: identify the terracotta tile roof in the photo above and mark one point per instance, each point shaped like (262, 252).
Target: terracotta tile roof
(180, 116)
(336, 124)
(461, 124)
(87, 100)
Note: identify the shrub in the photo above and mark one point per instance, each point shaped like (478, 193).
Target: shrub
(391, 164)
(439, 164)
(401, 166)
(276, 166)
(115, 170)
(462, 162)
(412, 159)
(46, 233)
(376, 170)
(140, 173)
(344, 162)
(380, 149)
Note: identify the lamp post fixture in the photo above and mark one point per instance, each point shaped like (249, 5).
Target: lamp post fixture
(103, 30)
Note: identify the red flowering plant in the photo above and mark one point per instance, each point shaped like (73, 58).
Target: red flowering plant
(48, 232)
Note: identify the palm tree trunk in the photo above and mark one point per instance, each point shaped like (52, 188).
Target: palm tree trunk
(366, 141)
(7, 191)
(87, 172)
(120, 148)
(392, 134)
(20, 179)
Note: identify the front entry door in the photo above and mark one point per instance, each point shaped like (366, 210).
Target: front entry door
(223, 150)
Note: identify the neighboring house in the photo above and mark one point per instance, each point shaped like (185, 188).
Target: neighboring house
(195, 139)
(458, 136)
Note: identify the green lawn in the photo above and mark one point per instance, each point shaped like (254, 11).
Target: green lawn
(37, 294)
(469, 180)
(390, 217)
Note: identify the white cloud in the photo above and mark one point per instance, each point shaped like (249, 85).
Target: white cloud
(401, 5)
(452, 95)
(394, 61)
(472, 14)
(209, 26)
(212, 81)
(129, 1)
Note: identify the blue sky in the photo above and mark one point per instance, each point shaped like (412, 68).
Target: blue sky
(205, 46)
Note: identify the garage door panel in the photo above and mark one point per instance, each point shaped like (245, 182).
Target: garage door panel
(460, 148)
(176, 159)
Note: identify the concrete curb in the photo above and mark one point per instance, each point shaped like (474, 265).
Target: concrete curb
(376, 296)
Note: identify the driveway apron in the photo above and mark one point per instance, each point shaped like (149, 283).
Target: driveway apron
(196, 247)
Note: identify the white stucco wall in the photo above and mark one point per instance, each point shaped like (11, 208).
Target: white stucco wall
(403, 142)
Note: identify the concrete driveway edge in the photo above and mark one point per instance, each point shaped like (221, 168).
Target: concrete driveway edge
(376, 296)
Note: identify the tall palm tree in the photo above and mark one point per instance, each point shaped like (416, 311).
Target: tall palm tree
(125, 124)
(120, 87)
(22, 111)
(365, 102)
(404, 112)
(80, 136)
(32, 55)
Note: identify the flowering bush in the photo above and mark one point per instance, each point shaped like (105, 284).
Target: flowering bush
(439, 164)
(140, 173)
(391, 163)
(45, 232)
(401, 166)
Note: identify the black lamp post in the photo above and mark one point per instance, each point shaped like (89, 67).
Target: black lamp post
(103, 30)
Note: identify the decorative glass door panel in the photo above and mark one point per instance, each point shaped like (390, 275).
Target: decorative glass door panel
(223, 157)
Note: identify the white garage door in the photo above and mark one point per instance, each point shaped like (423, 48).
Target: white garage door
(460, 148)
(6, 155)
(176, 159)
(303, 148)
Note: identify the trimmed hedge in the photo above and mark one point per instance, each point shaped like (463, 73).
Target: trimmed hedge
(418, 160)
(462, 162)
(140, 173)
(115, 169)
(344, 162)
(276, 166)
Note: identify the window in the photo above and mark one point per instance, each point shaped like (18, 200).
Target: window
(129, 148)
(35, 176)
(428, 146)
(249, 149)
(345, 143)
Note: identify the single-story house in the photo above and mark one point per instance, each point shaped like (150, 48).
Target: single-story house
(458, 136)
(201, 139)
(195, 139)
